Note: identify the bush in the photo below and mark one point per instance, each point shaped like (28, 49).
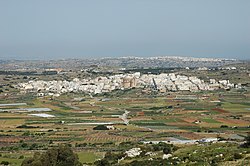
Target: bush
(237, 156)
(26, 133)
(27, 127)
(167, 150)
(21, 157)
(102, 162)
(5, 163)
(161, 146)
(24, 145)
(33, 146)
(223, 126)
(109, 159)
(81, 145)
(58, 156)
(100, 127)
(247, 141)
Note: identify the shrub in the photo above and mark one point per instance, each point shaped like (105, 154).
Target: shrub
(167, 150)
(100, 127)
(223, 126)
(58, 156)
(24, 145)
(162, 146)
(5, 163)
(21, 157)
(247, 141)
(237, 156)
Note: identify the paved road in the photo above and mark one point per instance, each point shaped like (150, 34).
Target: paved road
(124, 117)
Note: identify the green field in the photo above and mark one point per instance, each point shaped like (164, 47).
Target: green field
(152, 117)
(89, 157)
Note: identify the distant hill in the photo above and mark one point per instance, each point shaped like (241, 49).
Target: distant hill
(122, 62)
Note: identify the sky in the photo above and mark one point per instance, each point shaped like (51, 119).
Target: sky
(57, 29)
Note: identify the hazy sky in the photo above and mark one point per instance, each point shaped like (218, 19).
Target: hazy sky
(52, 29)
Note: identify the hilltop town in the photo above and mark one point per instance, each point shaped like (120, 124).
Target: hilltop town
(162, 83)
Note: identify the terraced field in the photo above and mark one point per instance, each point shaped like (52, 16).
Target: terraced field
(150, 119)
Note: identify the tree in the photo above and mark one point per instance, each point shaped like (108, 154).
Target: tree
(167, 150)
(59, 156)
(247, 141)
(110, 159)
(5, 163)
(100, 127)
(161, 146)
(103, 162)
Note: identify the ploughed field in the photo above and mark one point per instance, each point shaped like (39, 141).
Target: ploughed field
(29, 124)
